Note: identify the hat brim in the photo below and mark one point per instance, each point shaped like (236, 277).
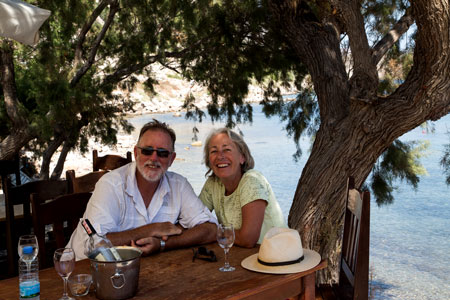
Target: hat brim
(311, 259)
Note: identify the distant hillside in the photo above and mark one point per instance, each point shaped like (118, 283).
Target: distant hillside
(171, 91)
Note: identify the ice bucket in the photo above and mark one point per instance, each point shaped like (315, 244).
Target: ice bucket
(115, 280)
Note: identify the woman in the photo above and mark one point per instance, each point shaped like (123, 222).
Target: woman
(238, 194)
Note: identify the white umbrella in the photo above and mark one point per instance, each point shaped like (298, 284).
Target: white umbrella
(21, 21)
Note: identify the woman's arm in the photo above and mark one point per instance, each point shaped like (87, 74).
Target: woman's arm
(252, 219)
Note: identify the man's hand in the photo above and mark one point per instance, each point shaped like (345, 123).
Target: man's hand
(163, 229)
(147, 245)
(155, 231)
(144, 233)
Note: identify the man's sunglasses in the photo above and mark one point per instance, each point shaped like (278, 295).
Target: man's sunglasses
(161, 152)
(204, 254)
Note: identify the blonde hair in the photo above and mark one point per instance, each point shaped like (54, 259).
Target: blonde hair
(237, 139)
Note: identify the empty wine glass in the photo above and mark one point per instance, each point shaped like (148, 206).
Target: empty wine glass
(28, 249)
(64, 259)
(225, 238)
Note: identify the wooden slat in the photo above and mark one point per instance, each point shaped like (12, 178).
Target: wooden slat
(355, 247)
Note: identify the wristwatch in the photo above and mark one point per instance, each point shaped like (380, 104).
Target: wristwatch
(162, 245)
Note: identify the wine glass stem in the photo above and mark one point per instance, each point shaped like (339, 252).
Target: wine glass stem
(28, 267)
(227, 265)
(65, 286)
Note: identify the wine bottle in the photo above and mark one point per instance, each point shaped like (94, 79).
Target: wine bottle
(99, 247)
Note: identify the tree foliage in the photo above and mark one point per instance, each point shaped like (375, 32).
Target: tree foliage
(65, 85)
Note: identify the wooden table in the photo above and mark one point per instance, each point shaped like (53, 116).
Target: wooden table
(173, 275)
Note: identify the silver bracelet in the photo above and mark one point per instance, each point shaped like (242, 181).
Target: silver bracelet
(162, 245)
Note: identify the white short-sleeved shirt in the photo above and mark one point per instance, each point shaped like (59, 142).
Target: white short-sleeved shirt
(117, 205)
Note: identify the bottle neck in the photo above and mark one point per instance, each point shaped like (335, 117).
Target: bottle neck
(88, 227)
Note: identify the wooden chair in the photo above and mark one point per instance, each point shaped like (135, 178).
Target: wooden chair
(84, 183)
(355, 243)
(66, 209)
(21, 224)
(109, 162)
(7, 167)
(354, 271)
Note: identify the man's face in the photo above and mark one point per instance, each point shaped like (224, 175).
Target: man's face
(151, 166)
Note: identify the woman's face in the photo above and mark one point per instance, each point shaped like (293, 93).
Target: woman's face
(224, 157)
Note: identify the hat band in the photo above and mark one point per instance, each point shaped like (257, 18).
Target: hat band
(281, 263)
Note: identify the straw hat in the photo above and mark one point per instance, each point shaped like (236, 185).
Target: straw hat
(281, 252)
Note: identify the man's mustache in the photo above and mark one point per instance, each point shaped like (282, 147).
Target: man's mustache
(152, 164)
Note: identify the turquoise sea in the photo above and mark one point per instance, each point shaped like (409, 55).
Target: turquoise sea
(410, 239)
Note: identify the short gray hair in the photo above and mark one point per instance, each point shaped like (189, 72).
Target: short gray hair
(238, 141)
(157, 125)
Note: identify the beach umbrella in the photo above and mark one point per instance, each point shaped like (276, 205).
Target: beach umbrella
(21, 21)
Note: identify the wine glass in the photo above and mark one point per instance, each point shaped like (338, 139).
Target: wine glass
(225, 238)
(28, 249)
(64, 259)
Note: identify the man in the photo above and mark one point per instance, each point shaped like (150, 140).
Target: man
(140, 203)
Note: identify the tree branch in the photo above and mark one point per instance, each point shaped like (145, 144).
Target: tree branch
(57, 171)
(364, 80)
(123, 72)
(317, 45)
(8, 83)
(425, 93)
(114, 8)
(20, 133)
(380, 49)
(47, 156)
(86, 27)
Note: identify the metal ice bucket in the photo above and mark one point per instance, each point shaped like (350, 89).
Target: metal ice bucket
(117, 280)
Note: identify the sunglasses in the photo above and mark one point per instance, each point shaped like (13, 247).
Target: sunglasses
(161, 152)
(204, 254)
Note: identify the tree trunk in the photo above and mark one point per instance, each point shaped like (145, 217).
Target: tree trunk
(357, 125)
(21, 133)
(57, 171)
(47, 156)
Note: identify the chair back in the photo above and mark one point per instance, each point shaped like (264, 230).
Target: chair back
(110, 161)
(7, 167)
(66, 209)
(355, 244)
(17, 225)
(84, 183)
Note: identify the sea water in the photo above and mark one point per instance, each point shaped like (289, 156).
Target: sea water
(409, 239)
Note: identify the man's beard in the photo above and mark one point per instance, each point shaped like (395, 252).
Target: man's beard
(150, 174)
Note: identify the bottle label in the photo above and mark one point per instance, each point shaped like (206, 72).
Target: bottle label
(115, 253)
(29, 289)
(88, 227)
